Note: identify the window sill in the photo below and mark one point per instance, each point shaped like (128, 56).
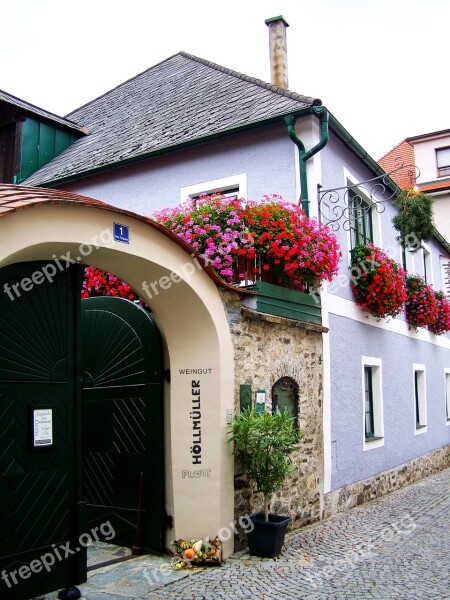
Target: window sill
(371, 443)
(420, 429)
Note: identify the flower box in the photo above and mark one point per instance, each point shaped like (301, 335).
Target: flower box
(292, 304)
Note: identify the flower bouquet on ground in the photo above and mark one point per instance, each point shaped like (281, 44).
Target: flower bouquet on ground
(421, 305)
(188, 554)
(377, 282)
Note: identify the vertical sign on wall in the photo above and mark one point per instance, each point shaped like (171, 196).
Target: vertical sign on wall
(260, 402)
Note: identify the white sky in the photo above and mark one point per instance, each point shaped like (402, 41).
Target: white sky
(380, 66)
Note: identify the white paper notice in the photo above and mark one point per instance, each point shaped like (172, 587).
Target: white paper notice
(42, 427)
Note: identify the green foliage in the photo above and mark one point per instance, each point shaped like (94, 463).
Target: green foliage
(262, 444)
(414, 219)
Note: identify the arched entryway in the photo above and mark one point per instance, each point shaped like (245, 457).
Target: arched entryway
(56, 227)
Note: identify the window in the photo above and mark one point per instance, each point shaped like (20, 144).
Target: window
(233, 187)
(368, 395)
(420, 408)
(447, 395)
(361, 230)
(285, 397)
(372, 403)
(443, 162)
(427, 269)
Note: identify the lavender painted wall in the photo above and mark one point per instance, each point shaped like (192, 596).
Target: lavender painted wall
(398, 353)
(350, 340)
(266, 155)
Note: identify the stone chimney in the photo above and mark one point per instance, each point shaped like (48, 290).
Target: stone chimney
(278, 51)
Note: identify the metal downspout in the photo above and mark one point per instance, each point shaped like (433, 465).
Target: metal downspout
(305, 156)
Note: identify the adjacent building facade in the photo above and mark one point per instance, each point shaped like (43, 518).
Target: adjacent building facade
(428, 157)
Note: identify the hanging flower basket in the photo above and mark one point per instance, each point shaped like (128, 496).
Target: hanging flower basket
(377, 282)
(442, 322)
(421, 306)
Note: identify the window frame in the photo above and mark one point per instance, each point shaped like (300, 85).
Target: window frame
(358, 217)
(214, 186)
(368, 396)
(445, 168)
(376, 438)
(447, 395)
(427, 263)
(420, 399)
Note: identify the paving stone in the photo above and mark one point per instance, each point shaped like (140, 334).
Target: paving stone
(392, 548)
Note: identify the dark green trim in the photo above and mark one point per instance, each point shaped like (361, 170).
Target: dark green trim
(282, 302)
(303, 155)
(279, 18)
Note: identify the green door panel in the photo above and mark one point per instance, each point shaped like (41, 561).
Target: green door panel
(40, 506)
(121, 370)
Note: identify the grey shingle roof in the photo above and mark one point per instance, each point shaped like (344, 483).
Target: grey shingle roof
(39, 112)
(178, 101)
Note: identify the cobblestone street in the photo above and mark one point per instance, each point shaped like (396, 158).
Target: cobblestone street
(394, 547)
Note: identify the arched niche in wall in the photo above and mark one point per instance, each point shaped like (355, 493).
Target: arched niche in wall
(285, 397)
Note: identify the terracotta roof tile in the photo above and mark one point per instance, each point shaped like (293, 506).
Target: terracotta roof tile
(401, 158)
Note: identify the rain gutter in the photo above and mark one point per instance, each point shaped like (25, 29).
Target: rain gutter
(304, 155)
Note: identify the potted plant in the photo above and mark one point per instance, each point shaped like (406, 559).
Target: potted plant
(414, 218)
(262, 444)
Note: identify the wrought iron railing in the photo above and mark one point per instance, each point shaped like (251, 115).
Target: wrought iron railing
(339, 207)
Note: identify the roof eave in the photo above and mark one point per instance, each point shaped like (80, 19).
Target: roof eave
(175, 148)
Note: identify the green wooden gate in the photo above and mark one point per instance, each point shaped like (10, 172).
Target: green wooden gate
(123, 421)
(41, 510)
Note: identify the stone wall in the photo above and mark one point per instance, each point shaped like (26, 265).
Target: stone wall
(386, 482)
(266, 349)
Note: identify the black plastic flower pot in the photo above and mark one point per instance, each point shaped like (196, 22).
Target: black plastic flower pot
(267, 538)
